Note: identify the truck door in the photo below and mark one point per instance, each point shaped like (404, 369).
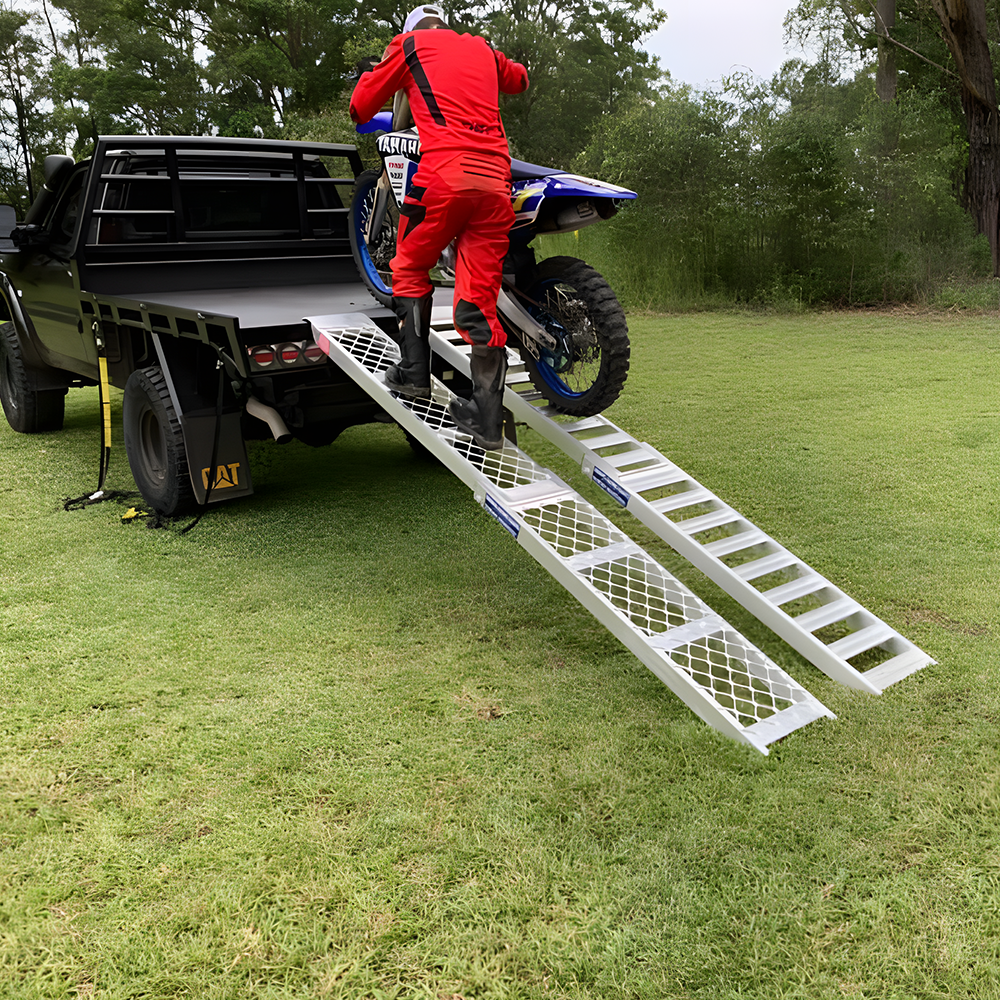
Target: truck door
(50, 285)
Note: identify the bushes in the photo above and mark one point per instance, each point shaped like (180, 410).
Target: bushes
(809, 190)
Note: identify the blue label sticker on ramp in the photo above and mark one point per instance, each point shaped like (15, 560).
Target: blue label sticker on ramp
(612, 487)
(503, 516)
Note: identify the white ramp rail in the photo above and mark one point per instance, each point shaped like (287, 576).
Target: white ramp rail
(810, 613)
(721, 676)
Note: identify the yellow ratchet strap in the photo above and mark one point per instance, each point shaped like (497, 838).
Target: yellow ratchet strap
(105, 394)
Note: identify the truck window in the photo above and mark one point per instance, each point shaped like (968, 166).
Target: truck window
(158, 196)
(61, 224)
(133, 209)
(248, 208)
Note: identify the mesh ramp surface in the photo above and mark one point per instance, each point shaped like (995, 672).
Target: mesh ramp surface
(815, 617)
(719, 674)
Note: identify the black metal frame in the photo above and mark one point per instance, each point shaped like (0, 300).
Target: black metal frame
(172, 145)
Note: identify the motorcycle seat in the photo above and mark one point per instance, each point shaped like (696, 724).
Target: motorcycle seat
(522, 171)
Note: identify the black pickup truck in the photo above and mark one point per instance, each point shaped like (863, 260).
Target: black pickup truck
(187, 266)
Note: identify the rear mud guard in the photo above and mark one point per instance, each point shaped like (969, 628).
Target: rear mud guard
(195, 401)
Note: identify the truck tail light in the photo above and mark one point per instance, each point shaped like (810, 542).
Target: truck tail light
(286, 355)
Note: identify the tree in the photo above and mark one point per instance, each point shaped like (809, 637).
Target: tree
(807, 189)
(125, 66)
(885, 77)
(583, 61)
(271, 58)
(20, 109)
(927, 35)
(964, 29)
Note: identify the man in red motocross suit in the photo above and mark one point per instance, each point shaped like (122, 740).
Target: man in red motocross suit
(461, 191)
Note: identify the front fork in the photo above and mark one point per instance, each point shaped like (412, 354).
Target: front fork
(376, 217)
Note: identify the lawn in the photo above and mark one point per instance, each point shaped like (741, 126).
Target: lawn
(345, 739)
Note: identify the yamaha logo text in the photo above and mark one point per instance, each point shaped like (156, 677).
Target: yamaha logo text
(400, 145)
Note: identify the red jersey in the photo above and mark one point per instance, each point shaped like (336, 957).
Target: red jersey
(453, 82)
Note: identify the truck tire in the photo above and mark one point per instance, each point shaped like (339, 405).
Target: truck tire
(28, 411)
(154, 443)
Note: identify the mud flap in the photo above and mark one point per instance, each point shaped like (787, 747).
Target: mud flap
(192, 379)
(231, 477)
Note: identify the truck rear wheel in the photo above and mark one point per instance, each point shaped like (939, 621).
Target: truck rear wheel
(154, 443)
(28, 411)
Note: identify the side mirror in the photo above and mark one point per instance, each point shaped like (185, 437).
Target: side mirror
(8, 220)
(29, 236)
(54, 167)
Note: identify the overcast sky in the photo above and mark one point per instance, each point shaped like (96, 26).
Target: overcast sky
(701, 41)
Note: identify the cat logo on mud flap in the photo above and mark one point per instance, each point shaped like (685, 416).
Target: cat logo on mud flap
(225, 477)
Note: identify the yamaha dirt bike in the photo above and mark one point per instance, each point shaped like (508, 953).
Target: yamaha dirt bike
(560, 312)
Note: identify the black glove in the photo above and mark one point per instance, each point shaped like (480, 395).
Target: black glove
(364, 65)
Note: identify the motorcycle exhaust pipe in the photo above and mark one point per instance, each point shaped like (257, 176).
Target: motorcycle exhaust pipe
(271, 417)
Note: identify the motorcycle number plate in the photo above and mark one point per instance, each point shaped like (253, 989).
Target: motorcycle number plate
(401, 171)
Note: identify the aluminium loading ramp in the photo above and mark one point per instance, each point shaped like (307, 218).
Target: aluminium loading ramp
(754, 569)
(721, 676)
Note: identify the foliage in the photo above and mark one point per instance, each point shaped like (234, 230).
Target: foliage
(583, 61)
(147, 80)
(284, 56)
(252, 67)
(803, 189)
(27, 133)
(943, 45)
(809, 189)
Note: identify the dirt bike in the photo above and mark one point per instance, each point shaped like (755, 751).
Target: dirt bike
(560, 312)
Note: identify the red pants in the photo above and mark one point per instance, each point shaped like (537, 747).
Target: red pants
(452, 203)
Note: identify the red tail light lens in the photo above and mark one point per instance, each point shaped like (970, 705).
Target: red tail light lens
(289, 354)
(313, 352)
(262, 357)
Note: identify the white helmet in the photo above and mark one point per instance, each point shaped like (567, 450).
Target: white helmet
(419, 13)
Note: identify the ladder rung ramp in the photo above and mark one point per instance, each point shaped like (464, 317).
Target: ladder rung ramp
(703, 522)
(828, 614)
(718, 673)
(678, 501)
(737, 543)
(657, 488)
(765, 565)
(802, 586)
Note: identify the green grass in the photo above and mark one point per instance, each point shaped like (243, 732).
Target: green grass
(345, 739)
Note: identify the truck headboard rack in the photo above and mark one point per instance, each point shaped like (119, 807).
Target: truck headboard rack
(195, 200)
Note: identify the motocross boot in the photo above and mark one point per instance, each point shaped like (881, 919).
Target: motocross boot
(482, 416)
(411, 375)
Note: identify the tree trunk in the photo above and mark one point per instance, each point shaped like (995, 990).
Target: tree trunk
(885, 75)
(963, 25)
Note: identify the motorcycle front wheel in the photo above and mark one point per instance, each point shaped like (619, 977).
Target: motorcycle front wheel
(373, 257)
(585, 374)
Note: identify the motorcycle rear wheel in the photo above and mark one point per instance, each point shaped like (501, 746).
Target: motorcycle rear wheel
(577, 306)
